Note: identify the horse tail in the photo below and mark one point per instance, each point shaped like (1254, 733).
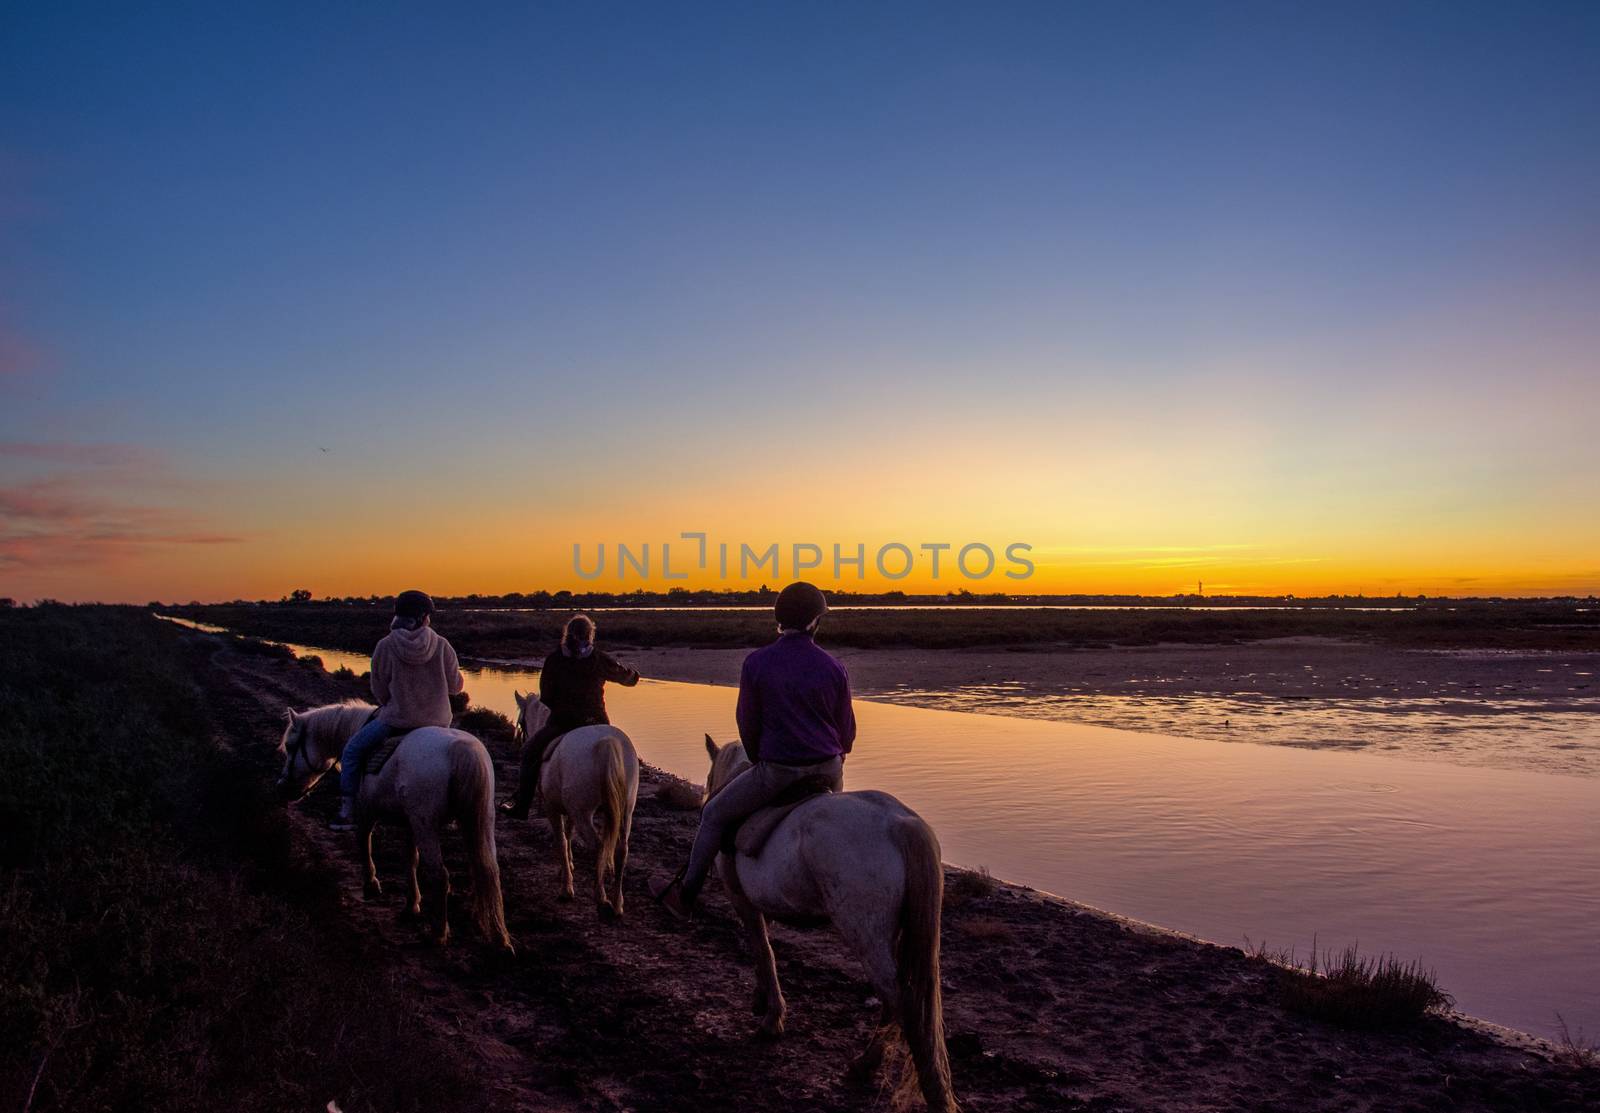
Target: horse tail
(917, 968)
(613, 798)
(472, 800)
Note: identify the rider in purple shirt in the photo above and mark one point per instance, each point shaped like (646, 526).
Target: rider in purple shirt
(796, 723)
(794, 701)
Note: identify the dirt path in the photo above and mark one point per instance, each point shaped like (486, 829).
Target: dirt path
(1049, 1006)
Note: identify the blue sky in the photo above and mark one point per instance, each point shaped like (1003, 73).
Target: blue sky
(603, 244)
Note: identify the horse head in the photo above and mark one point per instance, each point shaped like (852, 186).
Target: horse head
(531, 715)
(304, 762)
(727, 762)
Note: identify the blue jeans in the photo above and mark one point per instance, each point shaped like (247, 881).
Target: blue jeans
(741, 798)
(353, 761)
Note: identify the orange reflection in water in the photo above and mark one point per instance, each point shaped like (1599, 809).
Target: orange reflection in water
(1488, 875)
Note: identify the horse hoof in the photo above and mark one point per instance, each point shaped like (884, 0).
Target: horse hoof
(609, 913)
(410, 912)
(372, 890)
(564, 896)
(770, 1030)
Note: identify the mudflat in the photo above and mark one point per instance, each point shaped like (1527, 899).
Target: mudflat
(1509, 708)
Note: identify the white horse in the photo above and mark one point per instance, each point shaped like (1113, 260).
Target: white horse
(587, 772)
(437, 774)
(870, 865)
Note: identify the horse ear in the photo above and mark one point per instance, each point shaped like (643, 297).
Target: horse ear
(522, 700)
(288, 716)
(711, 746)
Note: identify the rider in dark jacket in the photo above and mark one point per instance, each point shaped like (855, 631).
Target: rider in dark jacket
(796, 723)
(572, 685)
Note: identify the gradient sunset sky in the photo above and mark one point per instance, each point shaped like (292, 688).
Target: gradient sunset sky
(363, 297)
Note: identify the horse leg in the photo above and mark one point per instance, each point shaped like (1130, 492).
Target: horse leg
(371, 887)
(620, 860)
(413, 907)
(872, 938)
(865, 1067)
(602, 863)
(425, 837)
(768, 1002)
(558, 822)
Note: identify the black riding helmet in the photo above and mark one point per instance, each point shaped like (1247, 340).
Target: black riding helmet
(799, 605)
(412, 604)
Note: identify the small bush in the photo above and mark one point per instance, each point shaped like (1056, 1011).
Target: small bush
(1352, 990)
(487, 724)
(257, 647)
(967, 886)
(356, 685)
(679, 796)
(1575, 1051)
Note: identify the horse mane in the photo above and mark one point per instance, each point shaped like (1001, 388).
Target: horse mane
(729, 756)
(325, 718)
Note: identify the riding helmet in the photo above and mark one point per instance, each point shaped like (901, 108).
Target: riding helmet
(799, 605)
(412, 604)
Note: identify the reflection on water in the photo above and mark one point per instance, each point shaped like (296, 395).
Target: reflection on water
(1545, 734)
(1489, 875)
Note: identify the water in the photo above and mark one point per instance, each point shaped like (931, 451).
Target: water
(1488, 875)
(1549, 733)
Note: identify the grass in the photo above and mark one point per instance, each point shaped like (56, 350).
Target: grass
(160, 948)
(964, 887)
(1575, 1051)
(1352, 990)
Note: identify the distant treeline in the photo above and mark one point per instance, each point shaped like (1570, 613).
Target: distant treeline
(764, 596)
(530, 632)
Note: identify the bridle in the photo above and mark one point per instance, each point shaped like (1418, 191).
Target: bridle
(297, 754)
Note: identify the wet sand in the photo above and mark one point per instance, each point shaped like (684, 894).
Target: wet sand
(1514, 709)
(1050, 1005)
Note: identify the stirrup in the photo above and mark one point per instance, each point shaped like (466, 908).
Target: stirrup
(683, 907)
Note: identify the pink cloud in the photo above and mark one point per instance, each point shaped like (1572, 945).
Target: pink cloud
(85, 455)
(62, 520)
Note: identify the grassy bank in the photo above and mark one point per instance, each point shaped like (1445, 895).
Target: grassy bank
(159, 946)
(515, 634)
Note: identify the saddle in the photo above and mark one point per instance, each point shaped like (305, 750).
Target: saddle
(381, 753)
(751, 835)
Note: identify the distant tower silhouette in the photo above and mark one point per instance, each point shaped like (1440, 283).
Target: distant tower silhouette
(1200, 587)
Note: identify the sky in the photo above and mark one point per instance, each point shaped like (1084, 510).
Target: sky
(352, 298)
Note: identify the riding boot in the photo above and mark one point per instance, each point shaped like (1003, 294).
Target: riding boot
(674, 896)
(347, 815)
(527, 778)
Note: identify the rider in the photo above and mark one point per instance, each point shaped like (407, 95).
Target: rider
(796, 722)
(417, 682)
(572, 685)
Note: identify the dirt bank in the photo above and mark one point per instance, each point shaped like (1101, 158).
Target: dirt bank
(1050, 1006)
